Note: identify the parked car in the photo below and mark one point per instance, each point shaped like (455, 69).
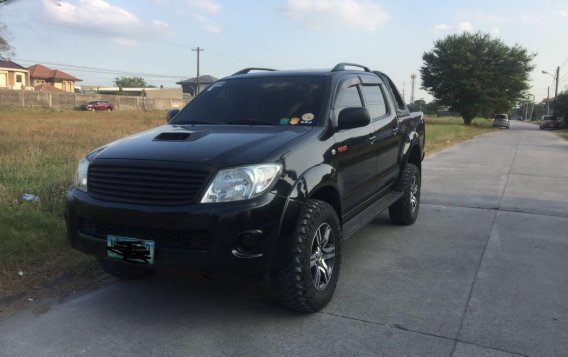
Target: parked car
(263, 172)
(501, 121)
(549, 122)
(98, 105)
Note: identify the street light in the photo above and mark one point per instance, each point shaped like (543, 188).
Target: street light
(555, 77)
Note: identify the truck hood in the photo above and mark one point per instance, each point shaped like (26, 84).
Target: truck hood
(219, 146)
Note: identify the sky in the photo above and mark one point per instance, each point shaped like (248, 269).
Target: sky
(99, 40)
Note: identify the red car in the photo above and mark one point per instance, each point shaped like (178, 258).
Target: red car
(550, 122)
(98, 105)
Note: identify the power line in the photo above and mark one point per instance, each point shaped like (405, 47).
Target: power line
(102, 70)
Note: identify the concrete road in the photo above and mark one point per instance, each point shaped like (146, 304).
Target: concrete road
(483, 272)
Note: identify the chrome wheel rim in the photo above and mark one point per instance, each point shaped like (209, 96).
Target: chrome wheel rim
(322, 256)
(414, 194)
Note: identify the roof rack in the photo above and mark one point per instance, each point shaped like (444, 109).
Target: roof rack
(341, 67)
(247, 70)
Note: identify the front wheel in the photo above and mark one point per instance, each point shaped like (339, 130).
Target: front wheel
(308, 281)
(405, 210)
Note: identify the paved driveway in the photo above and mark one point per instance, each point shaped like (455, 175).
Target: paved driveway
(483, 272)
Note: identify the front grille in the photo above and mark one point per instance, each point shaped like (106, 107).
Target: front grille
(164, 238)
(141, 183)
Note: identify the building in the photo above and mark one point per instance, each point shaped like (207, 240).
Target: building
(40, 75)
(13, 76)
(189, 86)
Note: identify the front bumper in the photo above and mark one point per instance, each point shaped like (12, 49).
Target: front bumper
(197, 237)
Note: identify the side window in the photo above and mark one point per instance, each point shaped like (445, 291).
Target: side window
(397, 96)
(347, 97)
(375, 101)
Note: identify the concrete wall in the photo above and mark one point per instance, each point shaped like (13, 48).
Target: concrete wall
(30, 99)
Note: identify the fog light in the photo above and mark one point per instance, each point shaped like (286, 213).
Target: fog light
(248, 244)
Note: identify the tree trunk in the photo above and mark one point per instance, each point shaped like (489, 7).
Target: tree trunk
(467, 119)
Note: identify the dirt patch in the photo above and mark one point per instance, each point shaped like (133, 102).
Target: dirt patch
(58, 288)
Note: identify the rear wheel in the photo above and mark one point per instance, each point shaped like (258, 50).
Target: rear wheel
(308, 281)
(405, 210)
(124, 271)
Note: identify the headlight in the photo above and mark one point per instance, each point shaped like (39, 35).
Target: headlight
(241, 183)
(80, 179)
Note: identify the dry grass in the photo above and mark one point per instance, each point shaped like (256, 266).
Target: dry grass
(448, 131)
(39, 151)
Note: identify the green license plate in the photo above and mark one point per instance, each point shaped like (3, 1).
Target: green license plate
(132, 250)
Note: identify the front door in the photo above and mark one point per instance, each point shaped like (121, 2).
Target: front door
(356, 153)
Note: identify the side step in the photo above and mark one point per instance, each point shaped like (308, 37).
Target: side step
(362, 219)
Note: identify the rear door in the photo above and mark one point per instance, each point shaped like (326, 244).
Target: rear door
(383, 116)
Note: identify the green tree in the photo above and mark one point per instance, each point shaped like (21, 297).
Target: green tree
(130, 82)
(476, 74)
(561, 106)
(6, 51)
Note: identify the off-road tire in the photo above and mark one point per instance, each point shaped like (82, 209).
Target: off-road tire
(124, 271)
(405, 210)
(295, 285)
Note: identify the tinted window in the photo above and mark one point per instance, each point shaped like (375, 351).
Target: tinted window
(374, 101)
(500, 116)
(260, 100)
(348, 97)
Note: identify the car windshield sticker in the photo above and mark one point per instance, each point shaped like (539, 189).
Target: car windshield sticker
(284, 121)
(294, 121)
(308, 117)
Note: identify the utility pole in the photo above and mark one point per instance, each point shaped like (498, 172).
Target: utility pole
(197, 79)
(548, 101)
(403, 90)
(556, 90)
(413, 80)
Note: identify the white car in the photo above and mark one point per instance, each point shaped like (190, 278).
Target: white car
(501, 121)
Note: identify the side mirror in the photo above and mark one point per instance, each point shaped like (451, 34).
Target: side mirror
(171, 114)
(353, 117)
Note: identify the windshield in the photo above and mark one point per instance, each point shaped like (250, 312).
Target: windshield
(500, 116)
(258, 101)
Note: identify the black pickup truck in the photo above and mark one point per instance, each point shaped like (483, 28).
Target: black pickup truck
(263, 172)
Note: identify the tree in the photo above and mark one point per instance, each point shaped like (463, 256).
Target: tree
(6, 51)
(476, 74)
(130, 82)
(561, 106)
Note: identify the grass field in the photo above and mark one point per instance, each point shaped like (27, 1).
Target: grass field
(39, 151)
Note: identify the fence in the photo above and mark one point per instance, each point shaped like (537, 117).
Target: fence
(30, 99)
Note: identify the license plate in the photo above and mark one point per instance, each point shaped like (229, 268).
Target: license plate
(132, 250)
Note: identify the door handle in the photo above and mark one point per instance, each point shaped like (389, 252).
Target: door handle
(395, 131)
(372, 138)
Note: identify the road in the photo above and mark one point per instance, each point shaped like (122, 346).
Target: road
(483, 272)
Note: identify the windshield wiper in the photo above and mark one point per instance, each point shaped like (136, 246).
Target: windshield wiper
(185, 122)
(250, 122)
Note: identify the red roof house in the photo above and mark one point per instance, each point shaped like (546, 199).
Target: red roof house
(40, 75)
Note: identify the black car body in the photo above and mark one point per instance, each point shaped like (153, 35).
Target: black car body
(155, 186)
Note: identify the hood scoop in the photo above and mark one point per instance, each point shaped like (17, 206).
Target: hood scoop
(172, 136)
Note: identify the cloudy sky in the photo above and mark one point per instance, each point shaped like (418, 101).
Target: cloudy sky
(98, 40)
